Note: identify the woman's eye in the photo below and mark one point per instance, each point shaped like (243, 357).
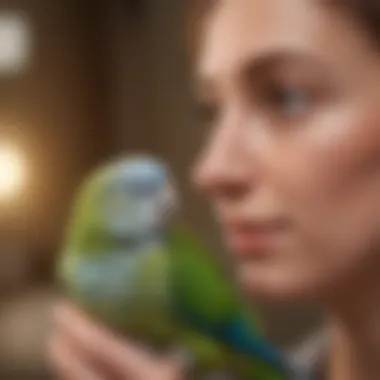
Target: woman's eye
(289, 101)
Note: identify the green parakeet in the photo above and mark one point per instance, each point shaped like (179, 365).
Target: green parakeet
(130, 263)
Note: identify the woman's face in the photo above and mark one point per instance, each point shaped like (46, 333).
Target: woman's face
(292, 164)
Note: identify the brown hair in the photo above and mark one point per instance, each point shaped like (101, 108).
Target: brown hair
(365, 12)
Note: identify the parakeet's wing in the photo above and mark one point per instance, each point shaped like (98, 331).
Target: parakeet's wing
(209, 302)
(84, 236)
(153, 292)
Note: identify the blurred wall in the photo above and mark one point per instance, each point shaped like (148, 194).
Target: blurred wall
(56, 111)
(53, 111)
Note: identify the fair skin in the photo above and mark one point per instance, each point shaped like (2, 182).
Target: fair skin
(294, 151)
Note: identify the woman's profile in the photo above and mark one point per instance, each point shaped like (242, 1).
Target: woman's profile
(291, 91)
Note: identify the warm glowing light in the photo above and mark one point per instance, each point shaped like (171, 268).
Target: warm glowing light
(11, 172)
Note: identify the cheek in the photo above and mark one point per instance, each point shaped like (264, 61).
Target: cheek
(329, 183)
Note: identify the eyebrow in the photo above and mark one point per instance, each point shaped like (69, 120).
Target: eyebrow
(254, 67)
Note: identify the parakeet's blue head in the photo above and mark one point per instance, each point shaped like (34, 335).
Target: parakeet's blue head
(138, 197)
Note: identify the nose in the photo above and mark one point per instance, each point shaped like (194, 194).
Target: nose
(225, 167)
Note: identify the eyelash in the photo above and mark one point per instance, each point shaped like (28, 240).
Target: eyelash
(270, 98)
(287, 101)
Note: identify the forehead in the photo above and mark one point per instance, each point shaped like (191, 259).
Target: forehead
(239, 29)
(238, 32)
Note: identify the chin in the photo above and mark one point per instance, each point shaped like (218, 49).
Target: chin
(268, 284)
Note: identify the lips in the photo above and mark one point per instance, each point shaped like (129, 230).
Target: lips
(255, 239)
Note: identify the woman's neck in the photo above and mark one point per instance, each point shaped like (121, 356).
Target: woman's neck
(355, 332)
(354, 358)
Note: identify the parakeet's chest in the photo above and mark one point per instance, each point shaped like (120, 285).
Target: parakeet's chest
(123, 278)
(108, 278)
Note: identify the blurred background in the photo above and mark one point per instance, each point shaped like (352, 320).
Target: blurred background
(80, 82)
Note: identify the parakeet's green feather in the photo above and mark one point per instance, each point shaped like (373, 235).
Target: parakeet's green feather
(85, 232)
(201, 285)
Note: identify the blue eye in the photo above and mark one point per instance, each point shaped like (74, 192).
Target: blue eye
(290, 101)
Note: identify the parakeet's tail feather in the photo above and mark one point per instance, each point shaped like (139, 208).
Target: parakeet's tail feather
(256, 349)
(238, 336)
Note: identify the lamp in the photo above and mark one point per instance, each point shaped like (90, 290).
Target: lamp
(12, 171)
